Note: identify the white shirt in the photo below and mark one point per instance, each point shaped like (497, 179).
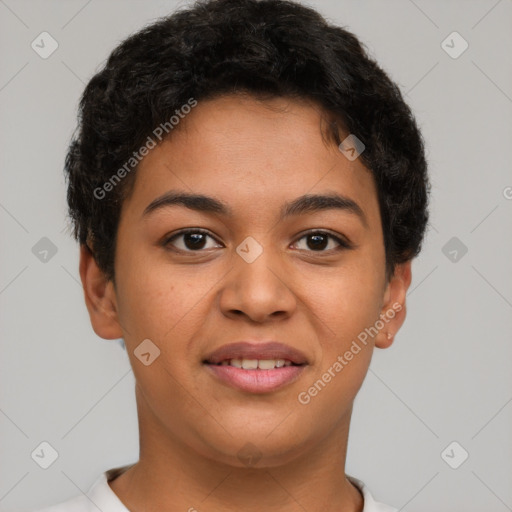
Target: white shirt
(101, 496)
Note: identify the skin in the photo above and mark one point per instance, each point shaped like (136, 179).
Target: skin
(255, 156)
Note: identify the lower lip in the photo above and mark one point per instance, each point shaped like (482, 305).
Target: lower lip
(256, 381)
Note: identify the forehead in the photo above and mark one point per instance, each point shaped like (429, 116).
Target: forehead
(253, 155)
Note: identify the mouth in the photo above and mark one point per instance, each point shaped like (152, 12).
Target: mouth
(248, 352)
(256, 367)
(255, 364)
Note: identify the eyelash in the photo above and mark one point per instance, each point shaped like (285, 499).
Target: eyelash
(343, 244)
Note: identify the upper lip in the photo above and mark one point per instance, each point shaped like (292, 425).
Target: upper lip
(261, 351)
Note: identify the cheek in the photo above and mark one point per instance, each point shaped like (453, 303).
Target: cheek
(347, 301)
(163, 302)
(349, 305)
(150, 298)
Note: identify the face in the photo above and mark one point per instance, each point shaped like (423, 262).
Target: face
(263, 265)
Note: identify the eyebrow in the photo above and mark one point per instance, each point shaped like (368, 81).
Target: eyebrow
(308, 203)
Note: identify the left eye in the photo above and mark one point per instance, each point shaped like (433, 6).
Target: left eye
(318, 241)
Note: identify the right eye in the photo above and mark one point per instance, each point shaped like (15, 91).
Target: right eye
(192, 240)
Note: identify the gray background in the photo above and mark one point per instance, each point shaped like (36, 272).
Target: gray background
(446, 377)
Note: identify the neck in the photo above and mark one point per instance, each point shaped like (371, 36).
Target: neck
(170, 475)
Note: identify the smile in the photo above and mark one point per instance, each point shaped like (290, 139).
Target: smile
(255, 375)
(255, 364)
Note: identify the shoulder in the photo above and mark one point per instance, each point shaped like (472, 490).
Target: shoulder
(370, 505)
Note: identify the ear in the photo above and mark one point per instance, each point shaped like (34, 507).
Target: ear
(393, 310)
(100, 297)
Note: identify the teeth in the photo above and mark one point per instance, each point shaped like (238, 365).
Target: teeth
(249, 364)
(269, 364)
(253, 364)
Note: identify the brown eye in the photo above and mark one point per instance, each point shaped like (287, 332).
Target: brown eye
(319, 241)
(190, 240)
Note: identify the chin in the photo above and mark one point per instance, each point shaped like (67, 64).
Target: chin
(258, 448)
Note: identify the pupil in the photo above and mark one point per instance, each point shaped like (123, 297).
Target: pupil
(317, 237)
(196, 240)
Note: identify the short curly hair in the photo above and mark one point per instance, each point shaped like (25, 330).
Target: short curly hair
(267, 48)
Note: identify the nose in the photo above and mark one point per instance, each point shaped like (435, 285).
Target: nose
(259, 291)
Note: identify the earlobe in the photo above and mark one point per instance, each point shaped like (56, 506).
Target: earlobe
(394, 309)
(100, 298)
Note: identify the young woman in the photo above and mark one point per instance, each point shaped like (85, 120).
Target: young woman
(249, 189)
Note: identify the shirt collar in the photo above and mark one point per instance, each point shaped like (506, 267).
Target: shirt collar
(102, 495)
